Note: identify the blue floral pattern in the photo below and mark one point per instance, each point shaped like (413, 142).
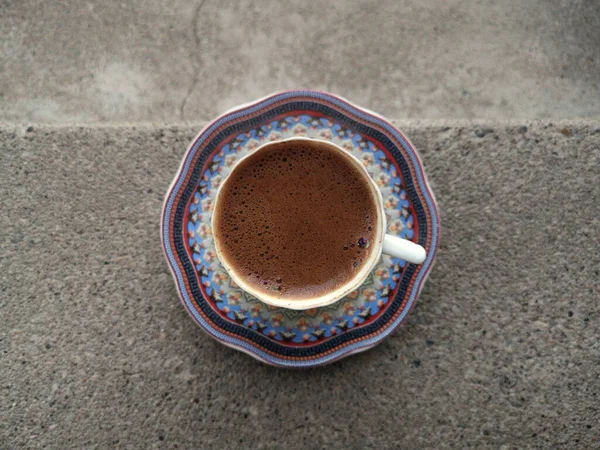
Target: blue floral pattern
(285, 325)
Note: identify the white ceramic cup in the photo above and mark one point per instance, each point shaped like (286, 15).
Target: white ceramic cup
(384, 243)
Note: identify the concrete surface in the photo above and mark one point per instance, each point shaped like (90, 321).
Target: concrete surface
(502, 351)
(180, 61)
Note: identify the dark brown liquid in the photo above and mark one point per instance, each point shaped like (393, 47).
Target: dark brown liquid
(296, 220)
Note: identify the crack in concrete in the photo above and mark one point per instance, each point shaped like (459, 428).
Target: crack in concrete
(196, 77)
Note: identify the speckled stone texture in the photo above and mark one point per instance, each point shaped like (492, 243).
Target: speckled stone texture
(501, 352)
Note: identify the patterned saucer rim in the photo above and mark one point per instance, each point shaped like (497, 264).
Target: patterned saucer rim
(419, 179)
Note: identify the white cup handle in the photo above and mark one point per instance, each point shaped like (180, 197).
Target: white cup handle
(403, 249)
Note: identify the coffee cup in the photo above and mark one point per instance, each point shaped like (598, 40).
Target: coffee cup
(378, 243)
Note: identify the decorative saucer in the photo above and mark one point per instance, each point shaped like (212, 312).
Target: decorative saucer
(285, 337)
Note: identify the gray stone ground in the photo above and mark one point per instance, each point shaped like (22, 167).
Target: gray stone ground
(501, 352)
(179, 60)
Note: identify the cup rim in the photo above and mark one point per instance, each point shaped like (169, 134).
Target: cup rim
(330, 297)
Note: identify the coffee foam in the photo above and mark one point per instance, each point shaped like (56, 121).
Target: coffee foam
(291, 217)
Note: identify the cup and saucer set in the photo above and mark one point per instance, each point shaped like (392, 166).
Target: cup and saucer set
(355, 317)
